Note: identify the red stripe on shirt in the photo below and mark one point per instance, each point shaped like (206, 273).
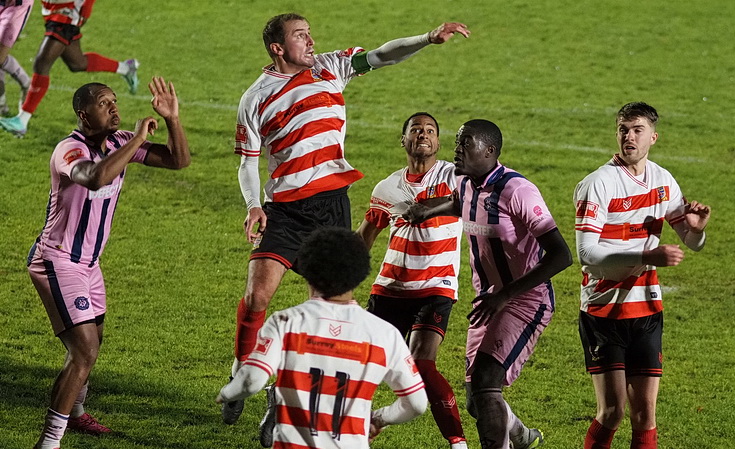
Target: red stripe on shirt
(627, 231)
(318, 100)
(362, 352)
(309, 160)
(587, 228)
(308, 130)
(646, 279)
(415, 293)
(325, 184)
(407, 274)
(422, 248)
(618, 311)
(636, 202)
(438, 191)
(301, 79)
(303, 382)
(294, 416)
(430, 223)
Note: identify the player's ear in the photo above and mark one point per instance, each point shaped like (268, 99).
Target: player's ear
(654, 138)
(276, 49)
(403, 141)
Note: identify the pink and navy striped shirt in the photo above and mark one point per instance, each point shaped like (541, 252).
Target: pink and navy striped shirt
(502, 219)
(78, 220)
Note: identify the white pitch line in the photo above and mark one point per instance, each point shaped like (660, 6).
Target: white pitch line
(385, 125)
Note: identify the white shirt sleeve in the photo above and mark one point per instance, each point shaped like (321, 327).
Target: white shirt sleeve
(249, 178)
(397, 50)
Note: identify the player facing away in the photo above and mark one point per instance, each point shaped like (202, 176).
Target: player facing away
(330, 355)
(87, 172)
(13, 17)
(295, 111)
(515, 249)
(64, 18)
(620, 211)
(417, 284)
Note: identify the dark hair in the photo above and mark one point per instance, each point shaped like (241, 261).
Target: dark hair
(85, 95)
(486, 131)
(274, 31)
(333, 260)
(419, 114)
(638, 109)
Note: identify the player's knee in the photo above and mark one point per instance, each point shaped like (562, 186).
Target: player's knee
(84, 358)
(257, 301)
(612, 416)
(469, 403)
(76, 67)
(487, 372)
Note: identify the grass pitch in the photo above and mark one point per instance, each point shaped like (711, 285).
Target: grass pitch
(551, 74)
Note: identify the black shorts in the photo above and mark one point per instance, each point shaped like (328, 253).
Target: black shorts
(291, 222)
(63, 32)
(633, 344)
(409, 314)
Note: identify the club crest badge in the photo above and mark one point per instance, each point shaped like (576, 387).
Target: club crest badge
(662, 196)
(81, 303)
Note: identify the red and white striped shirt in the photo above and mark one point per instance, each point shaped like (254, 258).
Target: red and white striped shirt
(72, 12)
(300, 121)
(422, 260)
(627, 215)
(329, 359)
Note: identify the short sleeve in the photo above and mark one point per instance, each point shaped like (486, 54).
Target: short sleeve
(247, 137)
(590, 206)
(528, 205)
(403, 375)
(67, 155)
(266, 354)
(676, 209)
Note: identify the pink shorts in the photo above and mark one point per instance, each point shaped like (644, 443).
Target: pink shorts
(72, 293)
(509, 337)
(12, 21)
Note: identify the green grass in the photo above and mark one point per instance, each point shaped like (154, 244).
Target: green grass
(551, 74)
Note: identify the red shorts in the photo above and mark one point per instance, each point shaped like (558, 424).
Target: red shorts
(72, 293)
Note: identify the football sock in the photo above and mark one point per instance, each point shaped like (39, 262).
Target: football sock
(492, 418)
(442, 400)
(77, 409)
(644, 439)
(518, 433)
(39, 87)
(458, 445)
(16, 71)
(598, 436)
(248, 325)
(98, 63)
(53, 429)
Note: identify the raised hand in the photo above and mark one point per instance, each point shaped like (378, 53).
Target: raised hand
(164, 100)
(697, 216)
(446, 30)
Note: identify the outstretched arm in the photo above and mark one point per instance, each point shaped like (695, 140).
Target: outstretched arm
(405, 408)
(175, 154)
(434, 207)
(398, 50)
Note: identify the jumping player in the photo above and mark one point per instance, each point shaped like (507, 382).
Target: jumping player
(87, 172)
(620, 211)
(296, 112)
(13, 17)
(417, 284)
(515, 249)
(330, 355)
(64, 18)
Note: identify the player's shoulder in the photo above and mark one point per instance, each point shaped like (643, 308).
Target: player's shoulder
(605, 174)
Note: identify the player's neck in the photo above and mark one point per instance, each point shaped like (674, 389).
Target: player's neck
(96, 137)
(420, 166)
(344, 298)
(285, 68)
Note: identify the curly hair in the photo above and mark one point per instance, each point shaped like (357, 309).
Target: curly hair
(333, 260)
(85, 95)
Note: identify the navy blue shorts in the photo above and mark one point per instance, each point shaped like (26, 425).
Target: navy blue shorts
(632, 344)
(289, 224)
(409, 314)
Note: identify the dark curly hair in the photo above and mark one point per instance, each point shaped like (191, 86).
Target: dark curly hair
(333, 260)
